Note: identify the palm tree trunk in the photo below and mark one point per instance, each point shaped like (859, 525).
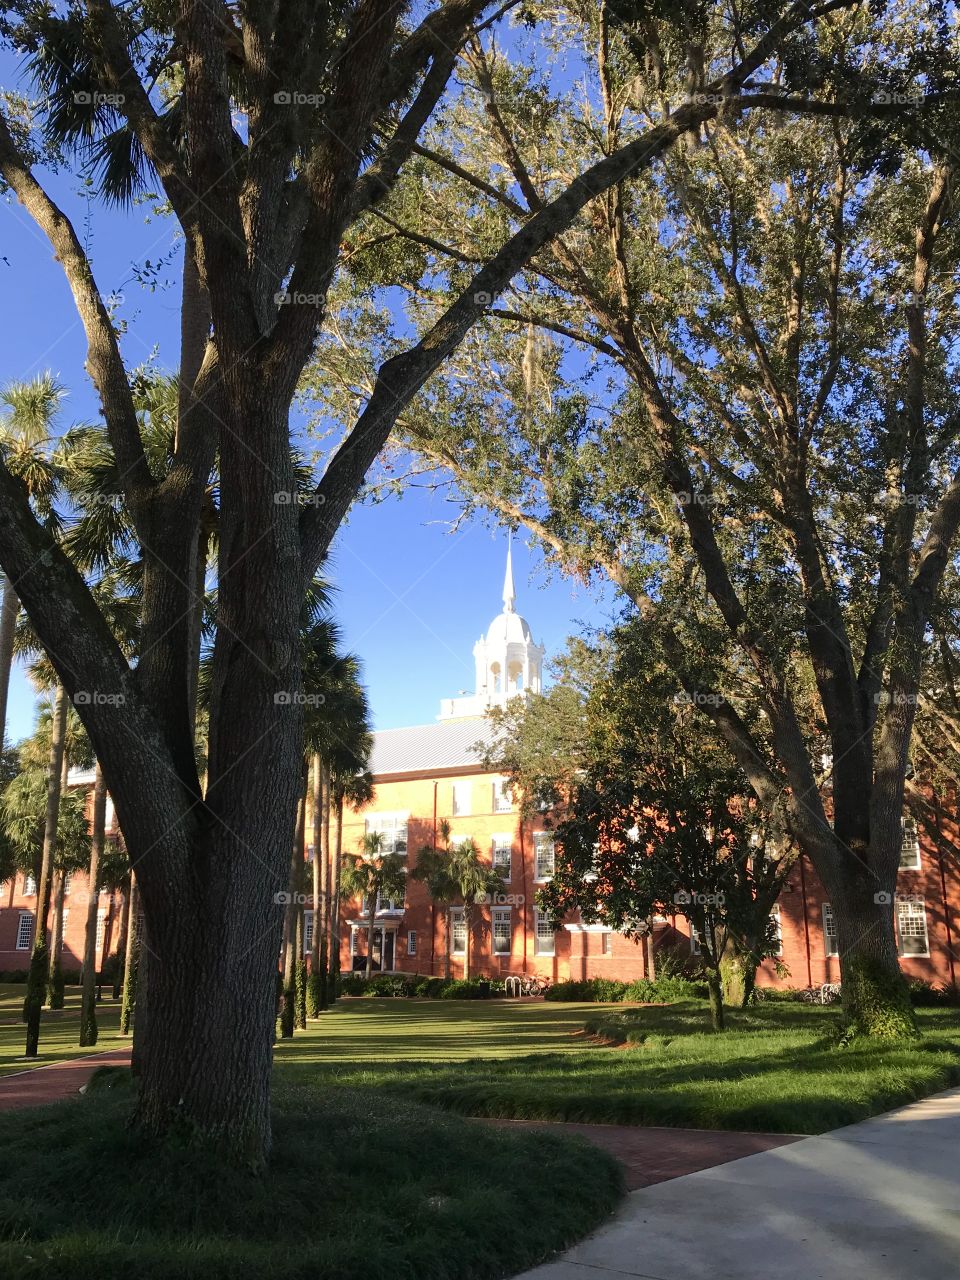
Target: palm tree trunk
(319, 851)
(9, 608)
(371, 918)
(88, 996)
(327, 877)
(55, 981)
(55, 975)
(333, 985)
(131, 958)
(39, 960)
(289, 999)
(121, 950)
(300, 974)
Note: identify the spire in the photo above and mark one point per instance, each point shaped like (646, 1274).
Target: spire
(509, 595)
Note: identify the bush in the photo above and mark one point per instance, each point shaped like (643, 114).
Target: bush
(430, 988)
(925, 994)
(353, 984)
(592, 990)
(466, 989)
(13, 975)
(663, 990)
(392, 984)
(314, 995)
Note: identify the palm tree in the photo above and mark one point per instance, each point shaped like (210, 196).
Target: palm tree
(372, 875)
(356, 790)
(433, 870)
(88, 997)
(25, 433)
(474, 881)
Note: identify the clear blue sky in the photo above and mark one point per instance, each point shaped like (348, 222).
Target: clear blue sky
(412, 598)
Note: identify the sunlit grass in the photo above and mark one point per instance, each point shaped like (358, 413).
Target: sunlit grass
(59, 1029)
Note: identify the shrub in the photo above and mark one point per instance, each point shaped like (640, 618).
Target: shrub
(13, 975)
(594, 990)
(430, 988)
(314, 995)
(924, 994)
(353, 984)
(466, 989)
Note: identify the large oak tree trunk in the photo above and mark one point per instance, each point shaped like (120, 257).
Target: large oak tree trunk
(876, 1000)
(88, 995)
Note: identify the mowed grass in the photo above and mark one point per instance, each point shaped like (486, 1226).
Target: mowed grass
(777, 1069)
(361, 1186)
(59, 1029)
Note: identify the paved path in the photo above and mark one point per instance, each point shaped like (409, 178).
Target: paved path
(651, 1154)
(37, 1085)
(878, 1200)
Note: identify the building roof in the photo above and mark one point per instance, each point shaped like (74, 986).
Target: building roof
(426, 748)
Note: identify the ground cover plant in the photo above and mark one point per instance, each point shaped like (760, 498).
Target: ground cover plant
(82, 1194)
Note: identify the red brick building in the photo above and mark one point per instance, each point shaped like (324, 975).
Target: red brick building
(430, 773)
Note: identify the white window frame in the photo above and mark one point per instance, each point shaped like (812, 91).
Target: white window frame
(101, 931)
(694, 940)
(462, 802)
(502, 798)
(458, 926)
(543, 838)
(831, 939)
(499, 915)
(539, 949)
(411, 942)
(909, 841)
(24, 944)
(29, 886)
(606, 943)
(778, 924)
(393, 828)
(307, 931)
(914, 908)
(504, 844)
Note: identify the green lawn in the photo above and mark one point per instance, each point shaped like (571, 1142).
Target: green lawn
(777, 1069)
(59, 1029)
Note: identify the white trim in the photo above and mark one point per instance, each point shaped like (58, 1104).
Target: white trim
(539, 915)
(411, 942)
(919, 913)
(24, 915)
(462, 808)
(457, 917)
(829, 938)
(545, 835)
(501, 912)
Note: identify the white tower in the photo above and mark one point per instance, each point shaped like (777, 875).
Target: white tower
(509, 663)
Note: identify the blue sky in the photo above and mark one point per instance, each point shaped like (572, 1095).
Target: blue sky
(412, 598)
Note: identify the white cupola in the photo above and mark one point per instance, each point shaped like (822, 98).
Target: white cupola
(509, 662)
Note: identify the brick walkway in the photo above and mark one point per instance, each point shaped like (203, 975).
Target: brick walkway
(53, 1083)
(651, 1155)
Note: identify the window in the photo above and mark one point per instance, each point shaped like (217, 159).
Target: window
(910, 846)
(412, 942)
(502, 932)
(912, 927)
(393, 828)
(694, 941)
(502, 798)
(777, 931)
(24, 931)
(503, 856)
(458, 933)
(383, 904)
(544, 855)
(101, 930)
(606, 944)
(461, 799)
(830, 943)
(63, 924)
(544, 940)
(307, 931)
(29, 886)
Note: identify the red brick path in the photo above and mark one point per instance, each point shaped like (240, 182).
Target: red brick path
(37, 1085)
(651, 1155)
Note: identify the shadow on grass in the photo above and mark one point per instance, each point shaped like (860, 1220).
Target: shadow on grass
(358, 1188)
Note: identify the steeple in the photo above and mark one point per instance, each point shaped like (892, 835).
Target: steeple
(509, 595)
(509, 661)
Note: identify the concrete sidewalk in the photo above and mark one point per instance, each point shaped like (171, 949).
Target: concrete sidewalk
(879, 1199)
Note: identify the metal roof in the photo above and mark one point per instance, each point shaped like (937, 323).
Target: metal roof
(423, 748)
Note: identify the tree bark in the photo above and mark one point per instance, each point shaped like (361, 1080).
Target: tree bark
(39, 960)
(738, 974)
(88, 995)
(371, 919)
(55, 978)
(288, 1003)
(651, 955)
(876, 1000)
(326, 880)
(333, 985)
(9, 608)
(121, 948)
(715, 993)
(130, 961)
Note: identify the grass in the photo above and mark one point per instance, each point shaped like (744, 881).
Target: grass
(360, 1187)
(59, 1029)
(777, 1069)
